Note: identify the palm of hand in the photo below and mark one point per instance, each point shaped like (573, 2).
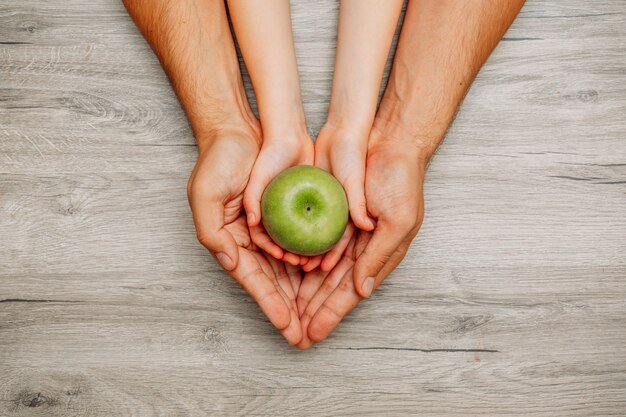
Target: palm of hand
(216, 190)
(393, 189)
(275, 156)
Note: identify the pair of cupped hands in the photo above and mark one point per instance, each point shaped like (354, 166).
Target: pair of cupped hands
(305, 298)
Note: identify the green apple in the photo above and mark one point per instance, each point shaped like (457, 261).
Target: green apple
(305, 210)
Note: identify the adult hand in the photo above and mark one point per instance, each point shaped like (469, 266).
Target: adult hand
(393, 190)
(215, 190)
(276, 155)
(394, 194)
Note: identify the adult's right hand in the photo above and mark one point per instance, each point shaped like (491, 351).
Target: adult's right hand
(215, 191)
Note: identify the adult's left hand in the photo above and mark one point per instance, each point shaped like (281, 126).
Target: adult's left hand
(394, 180)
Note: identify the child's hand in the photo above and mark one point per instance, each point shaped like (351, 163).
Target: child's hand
(276, 155)
(342, 153)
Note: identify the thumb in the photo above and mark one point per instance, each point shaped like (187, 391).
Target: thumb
(208, 216)
(355, 191)
(348, 164)
(262, 174)
(223, 246)
(378, 251)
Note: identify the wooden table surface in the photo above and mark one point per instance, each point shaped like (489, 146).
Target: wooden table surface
(511, 301)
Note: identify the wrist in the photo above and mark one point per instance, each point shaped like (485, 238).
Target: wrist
(354, 125)
(331, 136)
(350, 116)
(414, 125)
(231, 130)
(290, 129)
(420, 142)
(347, 127)
(282, 114)
(220, 112)
(416, 109)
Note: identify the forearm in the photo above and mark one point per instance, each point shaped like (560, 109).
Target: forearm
(442, 46)
(192, 40)
(366, 29)
(264, 34)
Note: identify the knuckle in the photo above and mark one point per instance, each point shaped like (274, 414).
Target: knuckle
(247, 199)
(420, 221)
(353, 180)
(379, 262)
(204, 240)
(189, 188)
(195, 188)
(346, 284)
(328, 286)
(357, 202)
(375, 263)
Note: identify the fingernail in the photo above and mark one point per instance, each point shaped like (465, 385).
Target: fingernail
(368, 286)
(251, 219)
(372, 223)
(225, 261)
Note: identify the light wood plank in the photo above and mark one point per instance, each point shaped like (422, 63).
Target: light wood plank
(512, 300)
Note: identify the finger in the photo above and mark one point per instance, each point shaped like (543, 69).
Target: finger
(394, 261)
(293, 332)
(264, 170)
(265, 266)
(295, 276)
(315, 287)
(328, 286)
(312, 263)
(291, 258)
(282, 278)
(305, 341)
(260, 238)
(208, 217)
(333, 256)
(269, 270)
(355, 191)
(309, 286)
(343, 299)
(385, 241)
(250, 275)
(359, 244)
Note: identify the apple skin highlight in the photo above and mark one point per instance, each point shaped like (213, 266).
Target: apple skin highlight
(304, 210)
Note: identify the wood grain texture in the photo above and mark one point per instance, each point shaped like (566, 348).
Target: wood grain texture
(512, 300)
